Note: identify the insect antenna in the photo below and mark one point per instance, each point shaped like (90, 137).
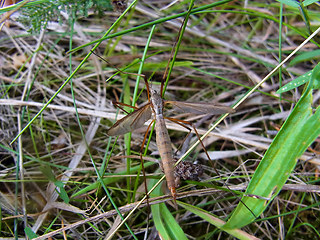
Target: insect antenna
(119, 70)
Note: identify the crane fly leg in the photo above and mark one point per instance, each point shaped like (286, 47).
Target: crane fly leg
(145, 136)
(183, 123)
(119, 104)
(142, 165)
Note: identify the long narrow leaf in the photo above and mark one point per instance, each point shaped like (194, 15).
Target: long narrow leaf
(297, 133)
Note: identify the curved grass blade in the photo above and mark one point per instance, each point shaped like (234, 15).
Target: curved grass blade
(215, 221)
(305, 56)
(300, 129)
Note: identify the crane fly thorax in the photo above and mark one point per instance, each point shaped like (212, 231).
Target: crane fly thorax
(157, 102)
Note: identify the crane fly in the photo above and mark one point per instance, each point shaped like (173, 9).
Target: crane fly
(154, 110)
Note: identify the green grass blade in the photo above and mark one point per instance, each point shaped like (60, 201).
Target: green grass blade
(155, 22)
(305, 56)
(111, 179)
(308, 2)
(177, 46)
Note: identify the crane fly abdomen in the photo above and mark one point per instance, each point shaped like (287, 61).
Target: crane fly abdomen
(166, 154)
(163, 141)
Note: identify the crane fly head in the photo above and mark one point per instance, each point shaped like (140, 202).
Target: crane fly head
(153, 92)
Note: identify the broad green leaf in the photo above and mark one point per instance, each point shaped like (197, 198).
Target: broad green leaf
(156, 213)
(313, 74)
(300, 129)
(165, 223)
(316, 77)
(296, 82)
(239, 234)
(171, 224)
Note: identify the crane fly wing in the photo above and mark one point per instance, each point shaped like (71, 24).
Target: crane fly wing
(201, 107)
(131, 122)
